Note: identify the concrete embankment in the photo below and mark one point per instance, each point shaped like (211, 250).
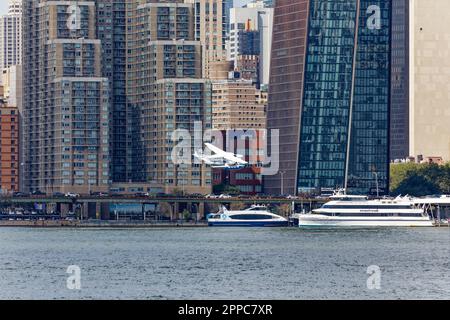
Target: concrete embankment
(100, 224)
(112, 224)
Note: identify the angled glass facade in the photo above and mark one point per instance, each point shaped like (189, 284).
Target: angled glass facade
(344, 133)
(336, 104)
(368, 163)
(327, 93)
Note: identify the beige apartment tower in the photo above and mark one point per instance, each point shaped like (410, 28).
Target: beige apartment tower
(237, 104)
(211, 23)
(166, 88)
(430, 78)
(66, 99)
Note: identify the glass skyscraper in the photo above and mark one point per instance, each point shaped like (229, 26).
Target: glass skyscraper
(400, 80)
(329, 95)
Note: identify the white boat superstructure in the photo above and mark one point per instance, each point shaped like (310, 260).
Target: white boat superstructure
(255, 216)
(358, 211)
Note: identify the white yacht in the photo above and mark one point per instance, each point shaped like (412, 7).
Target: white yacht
(255, 216)
(358, 211)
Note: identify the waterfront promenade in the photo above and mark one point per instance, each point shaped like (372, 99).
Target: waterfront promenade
(101, 208)
(101, 224)
(154, 212)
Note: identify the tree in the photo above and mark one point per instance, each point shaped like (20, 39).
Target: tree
(186, 214)
(178, 192)
(416, 185)
(237, 206)
(164, 209)
(444, 179)
(420, 179)
(400, 172)
(283, 210)
(226, 189)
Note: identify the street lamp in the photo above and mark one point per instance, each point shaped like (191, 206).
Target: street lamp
(181, 177)
(21, 175)
(282, 182)
(375, 173)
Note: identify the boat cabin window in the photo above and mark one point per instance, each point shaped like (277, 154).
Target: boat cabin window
(368, 207)
(251, 217)
(256, 209)
(370, 214)
(348, 198)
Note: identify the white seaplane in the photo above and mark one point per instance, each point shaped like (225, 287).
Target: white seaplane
(221, 158)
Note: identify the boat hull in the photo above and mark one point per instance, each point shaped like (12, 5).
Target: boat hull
(326, 221)
(260, 224)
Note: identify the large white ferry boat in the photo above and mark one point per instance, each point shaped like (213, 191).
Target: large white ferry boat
(358, 211)
(255, 216)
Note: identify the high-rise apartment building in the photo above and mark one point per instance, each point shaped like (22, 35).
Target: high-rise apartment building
(399, 129)
(11, 35)
(165, 83)
(239, 114)
(13, 96)
(329, 95)
(245, 24)
(237, 104)
(247, 67)
(111, 31)
(260, 3)
(9, 147)
(66, 99)
(11, 79)
(429, 79)
(211, 29)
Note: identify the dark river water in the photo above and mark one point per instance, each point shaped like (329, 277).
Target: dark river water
(209, 263)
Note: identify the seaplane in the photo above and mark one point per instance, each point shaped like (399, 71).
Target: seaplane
(222, 159)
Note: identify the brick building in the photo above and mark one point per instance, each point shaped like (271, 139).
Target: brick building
(9, 146)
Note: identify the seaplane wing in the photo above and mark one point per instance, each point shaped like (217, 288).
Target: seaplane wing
(233, 158)
(230, 157)
(214, 149)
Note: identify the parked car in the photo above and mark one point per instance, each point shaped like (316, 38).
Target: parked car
(142, 194)
(162, 195)
(117, 194)
(58, 194)
(99, 194)
(72, 195)
(225, 196)
(20, 194)
(38, 193)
